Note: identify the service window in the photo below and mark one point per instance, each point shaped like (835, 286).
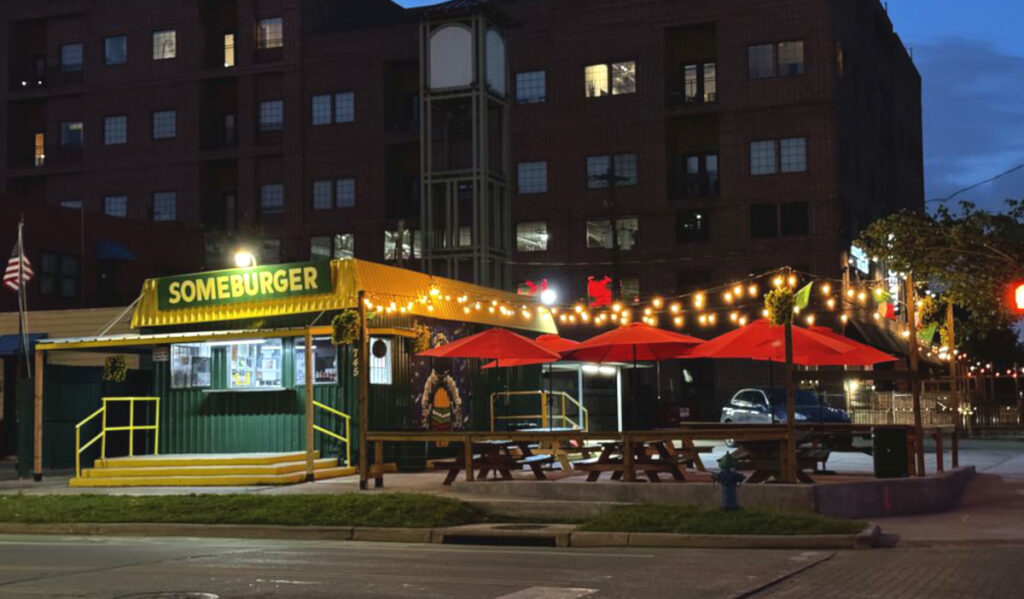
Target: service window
(254, 364)
(325, 369)
(190, 365)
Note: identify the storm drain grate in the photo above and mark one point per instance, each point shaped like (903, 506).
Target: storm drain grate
(171, 595)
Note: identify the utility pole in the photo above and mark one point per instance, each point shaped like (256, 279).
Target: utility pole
(915, 378)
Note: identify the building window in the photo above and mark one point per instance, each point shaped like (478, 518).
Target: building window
(334, 193)
(465, 237)
(344, 246)
(59, 275)
(323, 194)
(190, 365)
(692, 225)
(325, 370)
(793, 155)
(380, 361)
(599, 233)
(322, 109)
(115, 206)
(71, 58)
(72, 204)
(623, 78)
(629, 290)
(794, 219)
(764, 221)
(344, 107)
(596, 80)
(254, 365)
(345, 193)
(531, 87)
(784, 59)
(700, 83)
(165, 124)
(620, 170)
(71, 134)
(762, 158)
(701, 176)
(411, 246)
(165, 44)
(272, 198)
(532, 237)
(533, 177)
(115, 130)
(115, 50)
(165, 206)
(270, 33)
(272, 115)
(320, 247)
(229, 50)
(39, 149)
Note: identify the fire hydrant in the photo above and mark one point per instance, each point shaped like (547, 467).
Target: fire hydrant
(728, 479)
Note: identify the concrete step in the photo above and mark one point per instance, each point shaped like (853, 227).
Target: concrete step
(180, 469)
(224, 480)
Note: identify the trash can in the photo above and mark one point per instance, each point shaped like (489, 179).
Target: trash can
(889, 449)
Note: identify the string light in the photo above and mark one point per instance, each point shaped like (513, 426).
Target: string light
(657, 303)
(734, 316)
(792, 280)
(777, 281)
(675, 308)
(809, 319)
(752, 290)
(743, 321)
(737, 291)
(831, 303)
(826, 289)
(728, 297)
(698, 301)
(678, 320)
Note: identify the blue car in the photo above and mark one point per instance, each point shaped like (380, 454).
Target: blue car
(765, 405)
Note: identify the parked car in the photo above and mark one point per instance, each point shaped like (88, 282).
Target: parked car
(752, 406)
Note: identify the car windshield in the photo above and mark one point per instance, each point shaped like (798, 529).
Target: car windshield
(804, 399)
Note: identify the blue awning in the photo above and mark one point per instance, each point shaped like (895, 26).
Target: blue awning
(10, 345)
(112, 250)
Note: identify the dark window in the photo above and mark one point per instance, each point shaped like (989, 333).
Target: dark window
(59, 275)
(115, 50)
(692, 225)
(764, 221)
(692, 280)
(71, 58)
(783, 59)
(700, 176)
(71, 134)
(794, 218)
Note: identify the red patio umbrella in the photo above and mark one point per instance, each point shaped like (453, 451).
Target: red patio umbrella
(760, 340)
(496, 344)
(551, 342)
(863, 355)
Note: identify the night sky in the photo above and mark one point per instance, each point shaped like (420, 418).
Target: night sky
(971, 58)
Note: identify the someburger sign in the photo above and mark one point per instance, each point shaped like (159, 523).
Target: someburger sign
(243, 285)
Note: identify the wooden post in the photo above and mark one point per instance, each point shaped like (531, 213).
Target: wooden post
(939, 466)
(467, 452)
(628, 468)
(378, 464)
(954, 387)
(789, 475)
(310, 447)
(37, 420)
(363, 358)
(915, 381)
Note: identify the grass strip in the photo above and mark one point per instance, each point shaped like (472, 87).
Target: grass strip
(694, 520)
(380, 510)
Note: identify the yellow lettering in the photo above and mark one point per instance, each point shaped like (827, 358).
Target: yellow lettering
(237, 286)
(223, 290)
(295, 279)
(188, 291)
(309, 277)
(266, 282)
(206, 290)
(252, 284)
(281, 281)
(174, 295)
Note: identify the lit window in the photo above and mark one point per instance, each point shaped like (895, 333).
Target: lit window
(760, 61)
(322, 194)
(270, 33)
(190, 365)
(39, 149)
(380, 361)
(320, 247)
(531, 87)
(272, 198)
(344, 107)
(270, 250)
(71, 58)
(793, 155)
(115, 130)
(762, 158)
(115, 206)
(115, 50)
(710, 82)
(618, 170)
(165, 124)
(623, 78)
(71, 134)
(599, 233)
(344, 245)
(532, 237)
(791, 58)
(229, 50)
(465, 237)
(322, 109)
(411, 245)
(699, 83)
(345, 190)
(692, 225)
(165, 44)
(533, 177)
(596, 80)
(272, 115)
(254, 365)
(165, 206)
(325, 370)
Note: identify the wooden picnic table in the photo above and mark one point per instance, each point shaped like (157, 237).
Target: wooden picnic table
(562, 448)
(496, 456)
(650, 457)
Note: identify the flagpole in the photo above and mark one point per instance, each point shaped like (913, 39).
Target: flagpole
(22, 299)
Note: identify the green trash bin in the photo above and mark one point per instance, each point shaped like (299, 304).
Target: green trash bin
(889, 449)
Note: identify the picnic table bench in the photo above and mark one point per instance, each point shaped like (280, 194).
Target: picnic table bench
(651, 458)
(497, 457)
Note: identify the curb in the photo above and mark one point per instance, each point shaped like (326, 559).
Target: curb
(563, 535)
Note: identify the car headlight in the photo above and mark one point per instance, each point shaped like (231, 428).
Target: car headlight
(800, 416)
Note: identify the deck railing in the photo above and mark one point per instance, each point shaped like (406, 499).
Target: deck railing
(105, 428)
(546, 418)
(345, 439)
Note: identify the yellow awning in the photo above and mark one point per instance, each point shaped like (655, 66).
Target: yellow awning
(382, 285)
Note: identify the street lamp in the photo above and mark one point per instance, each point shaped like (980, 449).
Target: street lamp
(548, 297)
(244, 259)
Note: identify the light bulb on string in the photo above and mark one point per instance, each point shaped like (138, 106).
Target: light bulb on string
(657, 303)
(698, 301)
(752, 290)
(737, 291)
(727, 296)
(678, 320)
(826, 289)
(675, 308)
(791, 280)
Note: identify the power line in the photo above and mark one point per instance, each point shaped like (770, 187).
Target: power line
(979, 184)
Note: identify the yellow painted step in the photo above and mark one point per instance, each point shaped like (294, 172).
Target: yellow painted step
(202, 459)
(205, 470)
(211, 481)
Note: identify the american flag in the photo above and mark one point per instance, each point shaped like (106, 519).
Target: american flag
(19, 269)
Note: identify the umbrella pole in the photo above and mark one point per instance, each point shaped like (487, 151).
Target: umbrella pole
(633, 391)
(771, 388)
(789, 475)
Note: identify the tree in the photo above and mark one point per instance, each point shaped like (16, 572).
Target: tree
(970, 256)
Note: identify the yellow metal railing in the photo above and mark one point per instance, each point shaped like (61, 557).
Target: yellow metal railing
(547, 419)
(348, 429)
(104, 429)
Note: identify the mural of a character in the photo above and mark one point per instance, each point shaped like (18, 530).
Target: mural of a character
(440, 403)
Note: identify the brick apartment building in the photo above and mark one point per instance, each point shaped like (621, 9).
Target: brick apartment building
(721, 138)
